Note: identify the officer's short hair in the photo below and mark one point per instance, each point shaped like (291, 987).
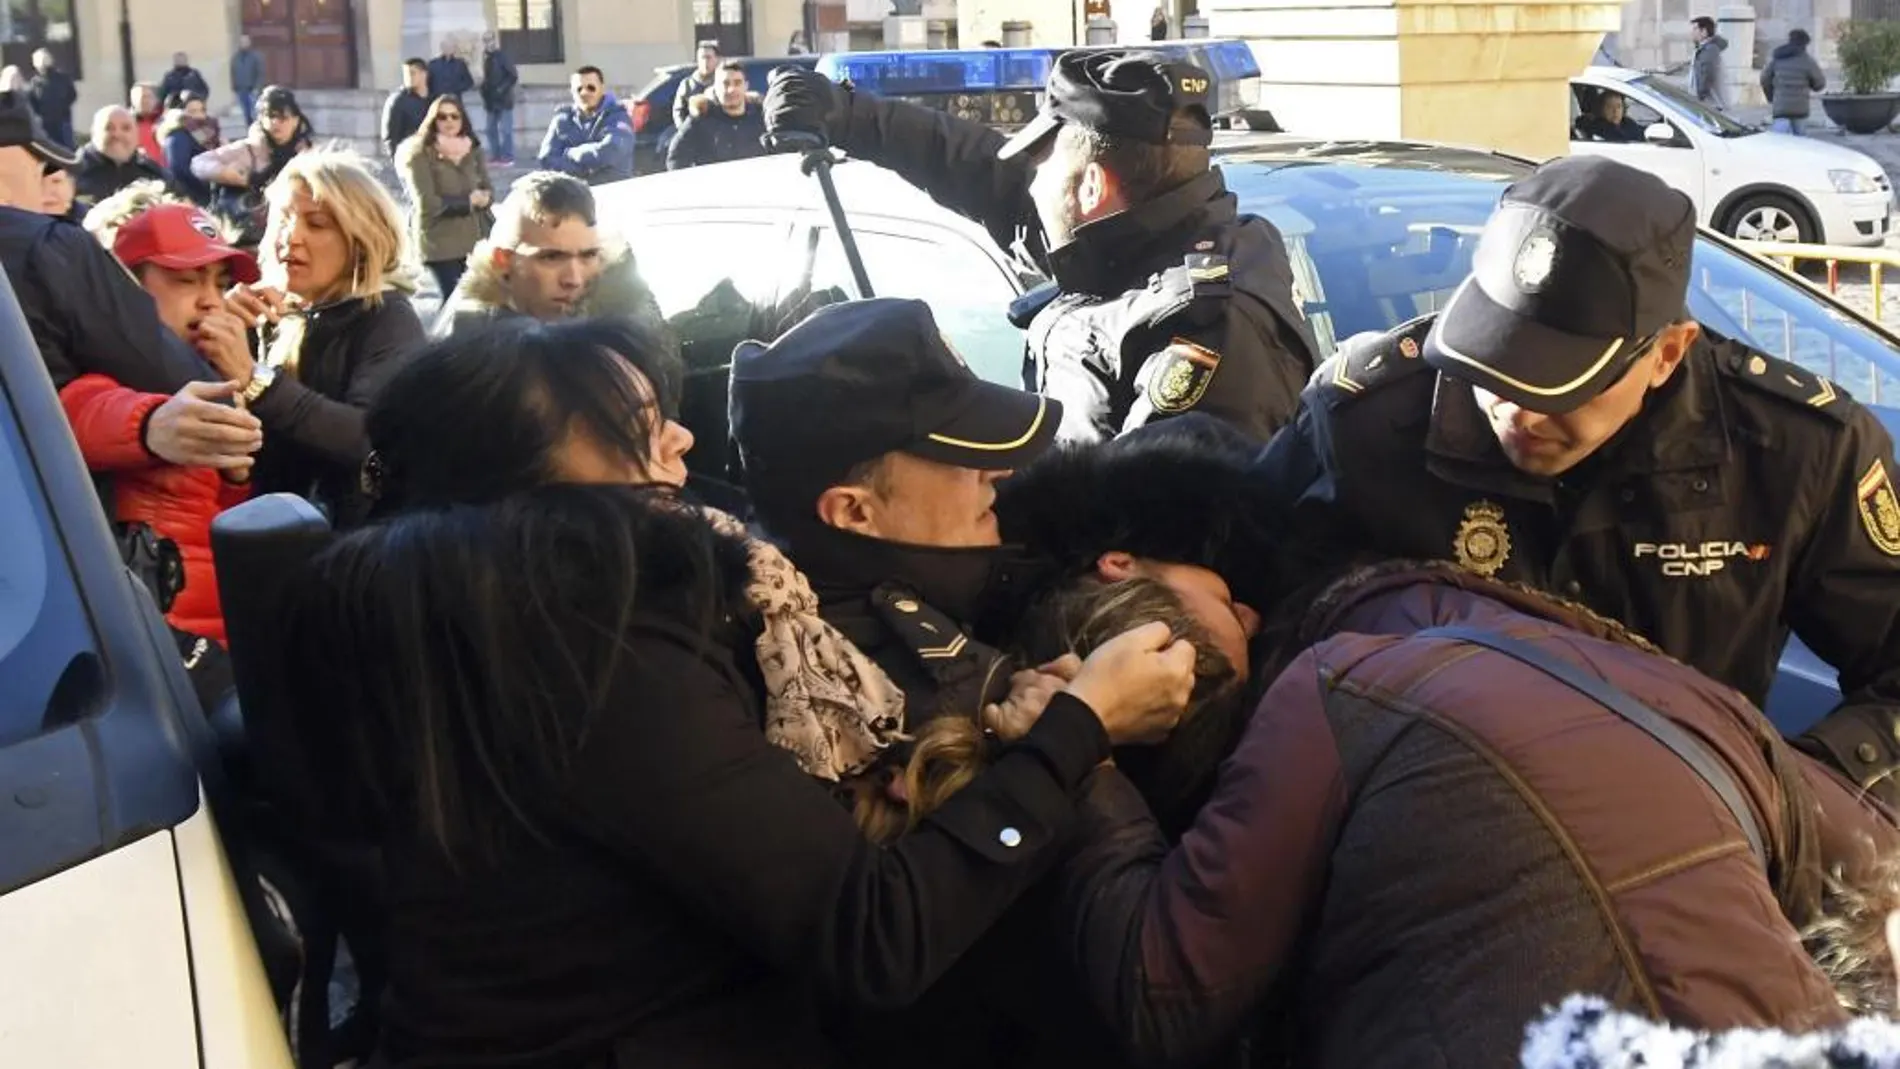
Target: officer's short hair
(582, 72)
(1703, 23)
(1144, 170)
(549, 198)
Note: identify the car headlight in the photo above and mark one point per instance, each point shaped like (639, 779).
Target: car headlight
(1852, 182)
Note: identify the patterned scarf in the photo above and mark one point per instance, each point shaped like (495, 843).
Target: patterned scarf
(825, 701)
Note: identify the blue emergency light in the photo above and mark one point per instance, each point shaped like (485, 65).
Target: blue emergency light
(1002, 86)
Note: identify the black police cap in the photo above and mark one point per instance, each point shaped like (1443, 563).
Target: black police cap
(20, 127)
(1583, 263)
(860, 379)
(1127, 95)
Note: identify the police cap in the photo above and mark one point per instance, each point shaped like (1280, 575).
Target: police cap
(1585, 261)
(1130, 95)
(20, 127)
(859, 379)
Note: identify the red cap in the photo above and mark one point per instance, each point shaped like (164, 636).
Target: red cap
(181, 237)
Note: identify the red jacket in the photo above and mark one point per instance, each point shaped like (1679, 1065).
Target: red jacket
(176, 502)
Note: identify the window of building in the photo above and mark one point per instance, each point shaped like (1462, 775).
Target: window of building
(28, 25)
(530, 30)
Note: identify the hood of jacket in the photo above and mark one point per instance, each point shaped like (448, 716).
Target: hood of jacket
(1717, 42)
(1789, 50)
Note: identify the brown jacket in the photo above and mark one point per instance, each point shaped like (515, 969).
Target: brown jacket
(1420, 844)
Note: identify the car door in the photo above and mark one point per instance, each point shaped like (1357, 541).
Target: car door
(966, 284)
(1679, 162)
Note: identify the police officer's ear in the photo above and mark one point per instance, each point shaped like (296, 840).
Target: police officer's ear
(850, 508)
(1115, 566)
(1672, 346)
(1097, 191)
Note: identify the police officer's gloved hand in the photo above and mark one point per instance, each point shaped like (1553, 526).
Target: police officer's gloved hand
(798, 102)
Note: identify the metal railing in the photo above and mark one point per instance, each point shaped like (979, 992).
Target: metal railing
(1789, 255)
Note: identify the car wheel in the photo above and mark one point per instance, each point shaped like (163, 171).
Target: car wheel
(1770, 217)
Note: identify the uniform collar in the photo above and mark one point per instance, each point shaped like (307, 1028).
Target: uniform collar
(1109, 255)
(1684, 425)
(846, 567)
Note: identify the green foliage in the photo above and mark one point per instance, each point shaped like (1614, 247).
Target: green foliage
(1870, 54)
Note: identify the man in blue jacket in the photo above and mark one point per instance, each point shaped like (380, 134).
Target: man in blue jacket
(592, 138)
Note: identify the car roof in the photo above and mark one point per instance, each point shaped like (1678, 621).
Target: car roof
(1614, 74)
(1274, 150)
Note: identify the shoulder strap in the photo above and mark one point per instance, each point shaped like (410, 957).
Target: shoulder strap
(1684, 745)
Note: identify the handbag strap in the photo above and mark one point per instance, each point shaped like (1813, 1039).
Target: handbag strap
(1684, 745)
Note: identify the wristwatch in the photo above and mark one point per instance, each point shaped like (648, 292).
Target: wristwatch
(261, 379)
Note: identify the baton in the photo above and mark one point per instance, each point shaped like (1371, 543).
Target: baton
(818, 161)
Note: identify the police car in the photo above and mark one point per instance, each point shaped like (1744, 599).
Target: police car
(1378, 232)
(127, 939)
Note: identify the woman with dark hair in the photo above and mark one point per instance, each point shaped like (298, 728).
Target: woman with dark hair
(446, 176)
(1446, 813)
(540, 680)
(243, 170)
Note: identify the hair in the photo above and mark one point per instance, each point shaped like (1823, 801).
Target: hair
(1703, 23)
(1143, 170)
(951, 749)
(277, 100)
(448, 664)
(731, 65)
(373, 226)
(475, 418)
(107, 216)
(593, 70)
(104, 116)
(548, 198)
(1798, 36)
(425, 135)
(416, 63)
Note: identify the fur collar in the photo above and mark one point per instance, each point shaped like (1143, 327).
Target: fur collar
(1585, 1033)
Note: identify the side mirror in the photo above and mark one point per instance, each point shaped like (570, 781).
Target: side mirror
(1659, 133)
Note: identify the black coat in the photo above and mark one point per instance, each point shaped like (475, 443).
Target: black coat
(712, 135)
(314, 440)
(403, 113)
(52, 95)
(1749, 497)
(449, 76)
(700, 892)
(180, 80)
(499, 81)
(99, 176)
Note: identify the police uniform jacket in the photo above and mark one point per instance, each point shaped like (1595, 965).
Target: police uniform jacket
(1179, 304)
(1749, 498)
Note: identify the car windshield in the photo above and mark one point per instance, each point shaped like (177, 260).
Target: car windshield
(1375, 246)
(1686, 107)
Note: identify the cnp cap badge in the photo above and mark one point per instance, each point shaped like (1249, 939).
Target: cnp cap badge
(1181, 379)
(1880, 509)
(1482, 543)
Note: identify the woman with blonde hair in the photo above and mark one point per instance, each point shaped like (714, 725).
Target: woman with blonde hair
(446, 176)
(333, 321)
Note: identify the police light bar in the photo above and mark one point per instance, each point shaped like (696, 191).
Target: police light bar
(1003, 86)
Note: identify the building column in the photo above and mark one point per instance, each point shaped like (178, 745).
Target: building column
(1494, 73)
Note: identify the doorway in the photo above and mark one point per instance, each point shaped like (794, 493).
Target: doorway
(728, 22)
(306, 44)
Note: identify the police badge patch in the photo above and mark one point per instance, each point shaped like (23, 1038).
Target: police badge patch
(1482, 543)
(1182, 376)
(1880, 509)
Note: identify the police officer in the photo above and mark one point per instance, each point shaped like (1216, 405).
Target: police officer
(1170, 301)
(1562, 422)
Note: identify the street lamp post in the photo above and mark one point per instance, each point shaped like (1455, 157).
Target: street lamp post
(127, 68)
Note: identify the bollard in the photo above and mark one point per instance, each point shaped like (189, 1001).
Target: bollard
(1101, 30)
(1194, 26)
(1016, 34)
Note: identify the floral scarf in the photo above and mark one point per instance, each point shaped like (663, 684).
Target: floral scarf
(825, 701)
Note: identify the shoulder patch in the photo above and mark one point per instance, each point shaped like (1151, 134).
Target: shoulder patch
(1780, 378)
(1879, 509)
(1180, 378)
(1368, 361)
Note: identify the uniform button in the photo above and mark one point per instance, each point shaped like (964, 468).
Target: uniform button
(1012, 838)
(1573, 588)
(1629, 495)
(1701, 486)
(1866, 751)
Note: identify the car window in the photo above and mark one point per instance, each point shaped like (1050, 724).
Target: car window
(715, 281)
(45, 638)
(966, 290)
(1741, 297)
(1687, 109)
(1600, 114)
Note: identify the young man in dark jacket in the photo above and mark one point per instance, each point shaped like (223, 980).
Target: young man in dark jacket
(696, 82)
(499, 81)
(53, 95)
(726, 123)
(405, 109)
(1790, 80)
(182, 78)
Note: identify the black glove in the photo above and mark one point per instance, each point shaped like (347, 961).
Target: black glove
(798, 101)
